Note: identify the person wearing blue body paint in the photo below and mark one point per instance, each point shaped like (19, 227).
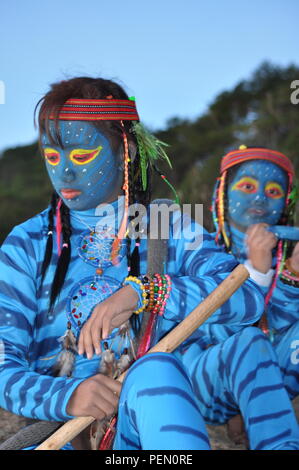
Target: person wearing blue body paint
(71, 261)
(71, 258)
(256, 191)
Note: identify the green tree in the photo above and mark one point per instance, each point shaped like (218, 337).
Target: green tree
(256, 112)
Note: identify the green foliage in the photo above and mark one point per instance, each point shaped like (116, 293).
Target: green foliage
(256, 112)
(24, 186)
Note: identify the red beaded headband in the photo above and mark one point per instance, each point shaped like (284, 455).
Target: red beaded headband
(97, 110)
(239, 156)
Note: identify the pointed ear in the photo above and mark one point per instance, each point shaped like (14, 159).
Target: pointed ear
(132, 151)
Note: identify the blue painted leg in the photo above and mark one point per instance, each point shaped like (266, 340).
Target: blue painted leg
(286, 346)
(242, 373)
(157, 409)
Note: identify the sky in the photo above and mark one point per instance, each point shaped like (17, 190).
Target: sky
(174, 56)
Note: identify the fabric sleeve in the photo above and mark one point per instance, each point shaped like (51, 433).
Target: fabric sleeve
(284, 305)
(201, 271)
(23, 391)
(262, 279)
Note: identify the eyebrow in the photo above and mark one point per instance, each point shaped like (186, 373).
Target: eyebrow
(70, 147)
(247, 176)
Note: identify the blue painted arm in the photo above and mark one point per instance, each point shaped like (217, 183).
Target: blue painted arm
(284, 232)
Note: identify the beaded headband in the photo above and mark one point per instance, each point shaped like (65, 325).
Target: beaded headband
(97, 110)
(242, 155)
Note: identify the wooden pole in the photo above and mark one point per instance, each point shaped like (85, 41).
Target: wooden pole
(168, 344)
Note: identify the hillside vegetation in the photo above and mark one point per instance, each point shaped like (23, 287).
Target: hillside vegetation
(256, 112)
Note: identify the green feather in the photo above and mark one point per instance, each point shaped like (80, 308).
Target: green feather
(293, 197)
(150, 149)
(143, 164)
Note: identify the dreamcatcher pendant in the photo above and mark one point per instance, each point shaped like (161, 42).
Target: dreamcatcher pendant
(95, 248)
(118, 352)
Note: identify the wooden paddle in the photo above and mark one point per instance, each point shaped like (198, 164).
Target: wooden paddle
(168, 344)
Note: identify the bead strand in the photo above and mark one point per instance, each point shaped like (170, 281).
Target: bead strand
(155, 292)
(139, 283)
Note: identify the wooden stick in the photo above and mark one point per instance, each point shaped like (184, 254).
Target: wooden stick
(168, 344)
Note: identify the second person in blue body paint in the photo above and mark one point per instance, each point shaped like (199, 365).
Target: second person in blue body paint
(256, 191)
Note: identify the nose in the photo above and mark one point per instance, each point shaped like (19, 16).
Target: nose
(68, 175)
(260, 199)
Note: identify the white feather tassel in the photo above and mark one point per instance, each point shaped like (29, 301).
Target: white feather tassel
(108, 363)
(66, 359)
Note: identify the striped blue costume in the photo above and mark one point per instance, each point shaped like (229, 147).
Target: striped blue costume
(283, 321)
(170, 419)
(239, 368)
(30, 343)
(234, 369)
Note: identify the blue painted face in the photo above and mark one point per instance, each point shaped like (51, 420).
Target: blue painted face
(86, 172)
(257, 194)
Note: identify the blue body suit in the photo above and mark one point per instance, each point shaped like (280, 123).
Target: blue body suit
(283, 321)
(30, 342)
(235, 370)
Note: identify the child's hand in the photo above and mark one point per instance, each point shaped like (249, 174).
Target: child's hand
(294, 261)
(109, 314)
(260, 243)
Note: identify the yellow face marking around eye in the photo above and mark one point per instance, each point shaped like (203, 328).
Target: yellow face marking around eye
(274, 190)
(246, 184)
(82, 156)
(52, 156)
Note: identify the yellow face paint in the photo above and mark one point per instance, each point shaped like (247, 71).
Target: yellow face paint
(274, 190)
(52, 156)
(247, 185)
(82, 156)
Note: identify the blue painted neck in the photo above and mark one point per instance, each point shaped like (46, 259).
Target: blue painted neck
(104, 214)
(238, 243)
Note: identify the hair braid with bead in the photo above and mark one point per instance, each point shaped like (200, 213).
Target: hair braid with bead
(221, 211)
(65, 256)
(49, 245)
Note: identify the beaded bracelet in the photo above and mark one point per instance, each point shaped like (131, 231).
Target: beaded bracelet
(155, 292)
(140, 285)
(162, 290)
(167, 289)
(159, 293)
(287, 278)
(290, 269)
(149, 285)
